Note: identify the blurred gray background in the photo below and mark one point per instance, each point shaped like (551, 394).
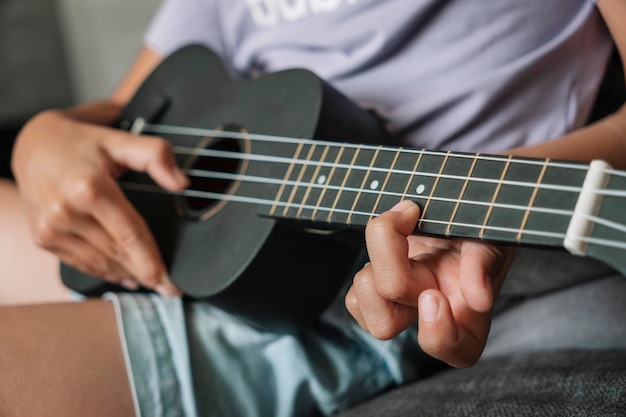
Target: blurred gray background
(102, 38)
(54, 53)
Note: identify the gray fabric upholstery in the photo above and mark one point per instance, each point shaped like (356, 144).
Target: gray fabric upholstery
(33, 69)
(562, 383)
(537, 271)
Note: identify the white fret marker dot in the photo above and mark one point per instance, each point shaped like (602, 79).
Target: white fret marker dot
(374, 184)
(420, 189)
(321, 179)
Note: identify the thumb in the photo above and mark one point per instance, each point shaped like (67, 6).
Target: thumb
(147, 154)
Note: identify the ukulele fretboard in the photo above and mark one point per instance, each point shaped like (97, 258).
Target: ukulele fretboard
(488, 197)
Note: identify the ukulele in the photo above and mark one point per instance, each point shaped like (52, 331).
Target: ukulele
(286, 172)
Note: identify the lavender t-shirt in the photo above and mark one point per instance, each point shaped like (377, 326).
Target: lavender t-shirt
(465, 75)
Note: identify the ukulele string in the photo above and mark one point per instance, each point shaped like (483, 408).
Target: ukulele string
(190, 131)
(310, 185)
(210, 195)
(182, 150)
(412, 174)
(162, 129)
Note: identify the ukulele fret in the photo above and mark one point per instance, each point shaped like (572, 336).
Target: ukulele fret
(405, 193)
(315, 179)
(282, 187)
(459, 204)
(461, 194)
(384, 186)
(429, 200)
(296, 187)
(531, 202)
(481, 234)
(362, 185)
(339, 194)
(529, 207)
(329, 180)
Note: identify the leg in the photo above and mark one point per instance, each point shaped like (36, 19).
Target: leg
(62, 360)
(28, 274)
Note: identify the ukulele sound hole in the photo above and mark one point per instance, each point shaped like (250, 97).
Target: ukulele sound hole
(212, 176)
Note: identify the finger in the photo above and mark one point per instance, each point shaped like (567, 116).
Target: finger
(352, 304)
(79, 254)
(387, 245)
(87, 228)
(136, 249)
(384, 319)
(151, 155)
(482, 266)
(63, 228)
(90, 233)
(440, 336)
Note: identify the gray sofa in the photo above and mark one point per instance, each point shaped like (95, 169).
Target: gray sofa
(33, 69)
(564, 383)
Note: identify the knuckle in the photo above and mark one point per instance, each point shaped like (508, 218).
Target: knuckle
(382, 328)
(361, 275)
(352, 304)
(56, 213)
(44, 233)
(362, 281)
(131, 237)
(392, 290)
(84, 191)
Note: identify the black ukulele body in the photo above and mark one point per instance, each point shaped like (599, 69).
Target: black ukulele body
(279, 275)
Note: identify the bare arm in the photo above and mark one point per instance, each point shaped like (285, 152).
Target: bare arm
(605, 139)
(65, 164)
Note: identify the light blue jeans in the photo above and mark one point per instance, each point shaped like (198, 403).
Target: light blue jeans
(191, 359)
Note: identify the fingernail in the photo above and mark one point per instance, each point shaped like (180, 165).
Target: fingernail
(167, 289)
(402, 206)
(428, 308)
(129, 284)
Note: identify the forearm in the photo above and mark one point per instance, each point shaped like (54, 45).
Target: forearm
(104, 113)
(605, 139)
